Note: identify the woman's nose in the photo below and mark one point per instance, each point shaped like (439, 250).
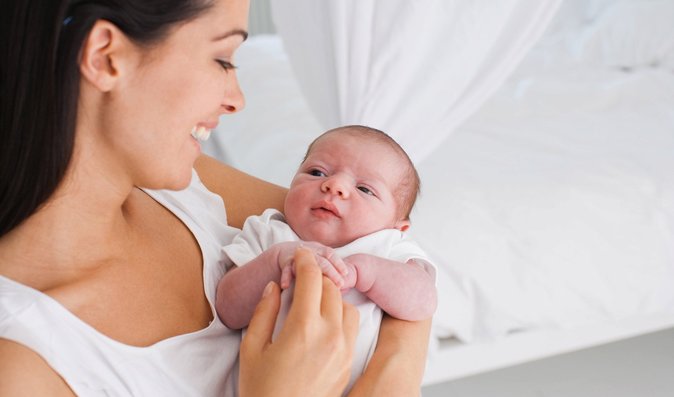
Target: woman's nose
(335, 185)
(233, 100)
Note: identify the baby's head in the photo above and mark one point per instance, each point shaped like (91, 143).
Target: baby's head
(354, 181)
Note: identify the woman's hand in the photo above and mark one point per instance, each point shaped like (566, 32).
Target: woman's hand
(312, 354)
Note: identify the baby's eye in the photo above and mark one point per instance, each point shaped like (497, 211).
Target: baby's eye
(315, 172)
(366, 190)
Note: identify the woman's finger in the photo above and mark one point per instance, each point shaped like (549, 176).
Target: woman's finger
(261, 325)
(350, 321)
(308, 285)
(331, 303)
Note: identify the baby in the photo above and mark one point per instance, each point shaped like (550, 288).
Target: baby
(349, 203)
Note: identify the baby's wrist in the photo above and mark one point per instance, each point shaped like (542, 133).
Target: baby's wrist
(285, 253)
(361, 265)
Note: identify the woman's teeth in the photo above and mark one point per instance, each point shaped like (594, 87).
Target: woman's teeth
(201, 133)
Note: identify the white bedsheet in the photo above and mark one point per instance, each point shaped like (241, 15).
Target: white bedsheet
(558, 204)
(552, 207)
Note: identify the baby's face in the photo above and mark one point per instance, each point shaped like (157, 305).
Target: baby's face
(345, 190)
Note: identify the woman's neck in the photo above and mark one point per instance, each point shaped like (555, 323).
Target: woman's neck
(84, 224)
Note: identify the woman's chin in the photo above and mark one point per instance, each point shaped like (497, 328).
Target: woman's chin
(177, 180)
(183, 181)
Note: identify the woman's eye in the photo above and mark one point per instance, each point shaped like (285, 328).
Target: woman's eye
(316, 173)
(366, 190)
(225, 64)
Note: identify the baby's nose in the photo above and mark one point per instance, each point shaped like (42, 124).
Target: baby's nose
(335, 185)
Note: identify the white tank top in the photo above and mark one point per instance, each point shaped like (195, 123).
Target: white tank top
(202, 363)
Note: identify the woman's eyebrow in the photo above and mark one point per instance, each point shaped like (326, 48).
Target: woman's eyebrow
(234, 32)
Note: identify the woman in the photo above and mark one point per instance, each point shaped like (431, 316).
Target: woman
(99, 101)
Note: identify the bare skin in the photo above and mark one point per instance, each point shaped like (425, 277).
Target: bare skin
(24, 373)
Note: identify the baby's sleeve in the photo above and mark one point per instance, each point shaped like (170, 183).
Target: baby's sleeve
(258, 234)
(407, 249)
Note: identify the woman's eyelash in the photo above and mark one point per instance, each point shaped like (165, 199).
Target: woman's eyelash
(225, 64)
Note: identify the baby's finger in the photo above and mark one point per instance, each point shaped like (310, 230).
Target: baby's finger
(330, 272)
(286, 276)
(308, 284)
(336, 261)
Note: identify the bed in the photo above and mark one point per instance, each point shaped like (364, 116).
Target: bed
(550, 211)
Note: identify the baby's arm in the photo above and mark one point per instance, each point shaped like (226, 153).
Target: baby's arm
(240, 290)
(403, 290)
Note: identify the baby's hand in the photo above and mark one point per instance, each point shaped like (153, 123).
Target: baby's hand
(332, 266)
(352, 276)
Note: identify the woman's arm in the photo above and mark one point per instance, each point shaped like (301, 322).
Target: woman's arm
(397, 366)
(24, 373)
(243, 194)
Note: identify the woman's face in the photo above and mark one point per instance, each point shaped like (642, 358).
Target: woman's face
(187, 81)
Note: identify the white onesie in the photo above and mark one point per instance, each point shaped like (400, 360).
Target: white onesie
(261, 232)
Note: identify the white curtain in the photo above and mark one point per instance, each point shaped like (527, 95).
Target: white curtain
(413, 68)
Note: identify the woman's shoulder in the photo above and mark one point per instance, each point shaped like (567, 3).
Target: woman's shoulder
(24, 372)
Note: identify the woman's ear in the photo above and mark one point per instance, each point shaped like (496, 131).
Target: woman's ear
(402, 225)
(103, 55)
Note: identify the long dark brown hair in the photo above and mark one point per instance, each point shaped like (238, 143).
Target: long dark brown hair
(39, 85)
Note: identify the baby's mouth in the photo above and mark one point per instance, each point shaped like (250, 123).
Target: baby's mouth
(201, 133)
(328, 207)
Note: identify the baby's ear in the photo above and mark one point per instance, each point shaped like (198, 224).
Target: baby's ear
(402, 225)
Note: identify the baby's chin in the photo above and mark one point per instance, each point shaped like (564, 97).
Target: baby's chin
(319, 238)
(324, 237)
(327, 238)
(329, 234)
